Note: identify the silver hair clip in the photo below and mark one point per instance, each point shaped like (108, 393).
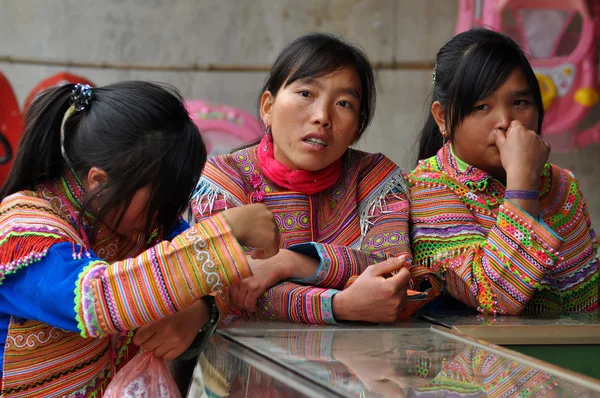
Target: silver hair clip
(433, 76)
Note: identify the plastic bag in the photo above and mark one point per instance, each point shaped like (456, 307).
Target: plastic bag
(145, 376)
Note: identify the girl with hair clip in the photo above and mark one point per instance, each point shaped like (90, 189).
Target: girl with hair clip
(506, 230)
(92, 246)
(342, 214)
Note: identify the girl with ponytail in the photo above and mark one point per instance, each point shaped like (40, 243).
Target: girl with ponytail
(92, 245)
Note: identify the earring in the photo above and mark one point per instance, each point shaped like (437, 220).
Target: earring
(444, 137)
(267, 137)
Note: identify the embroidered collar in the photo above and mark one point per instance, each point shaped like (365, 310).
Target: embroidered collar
(71, 195)
(72, 188)
(461, 164)
(472, 177)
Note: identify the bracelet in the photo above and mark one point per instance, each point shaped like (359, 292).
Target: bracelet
(518, 194)
(214, 316)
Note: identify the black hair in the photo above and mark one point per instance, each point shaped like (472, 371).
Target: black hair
(139, 133)
(318, 54)
(470, 67)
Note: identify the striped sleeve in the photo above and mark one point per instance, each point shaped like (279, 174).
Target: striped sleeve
(164, 279)
(291, 302)
(495, 272)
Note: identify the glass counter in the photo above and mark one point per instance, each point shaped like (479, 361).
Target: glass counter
(413, 359)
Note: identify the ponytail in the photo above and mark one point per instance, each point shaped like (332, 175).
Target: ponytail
(39, 156)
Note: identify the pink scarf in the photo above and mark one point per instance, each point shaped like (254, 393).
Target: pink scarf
(307, 182)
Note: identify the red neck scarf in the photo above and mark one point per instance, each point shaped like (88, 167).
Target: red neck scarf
(307, 182)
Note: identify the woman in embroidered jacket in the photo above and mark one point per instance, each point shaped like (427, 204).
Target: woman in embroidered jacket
(508, 231)
(97, 170)
(339, 210)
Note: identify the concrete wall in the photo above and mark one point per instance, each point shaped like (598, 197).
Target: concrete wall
(247, 32)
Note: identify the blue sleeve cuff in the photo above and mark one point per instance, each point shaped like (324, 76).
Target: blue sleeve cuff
(327, 306)
(316, 251)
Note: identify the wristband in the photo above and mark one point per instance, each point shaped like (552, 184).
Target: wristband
(518, 194)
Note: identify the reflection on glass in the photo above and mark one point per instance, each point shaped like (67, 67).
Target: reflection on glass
(475, 372)
(224, 374)
(394, 362)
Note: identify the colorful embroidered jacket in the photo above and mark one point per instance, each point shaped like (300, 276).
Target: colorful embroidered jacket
(65, 310)
(359, 221)
(492, 254)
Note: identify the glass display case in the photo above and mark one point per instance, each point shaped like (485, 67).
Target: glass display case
(420, 358)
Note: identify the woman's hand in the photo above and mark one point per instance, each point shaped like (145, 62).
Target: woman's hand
(523, 155)
(254, 226)
(267, 273)
(169, 337)
(373, 297)
(246, 293)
